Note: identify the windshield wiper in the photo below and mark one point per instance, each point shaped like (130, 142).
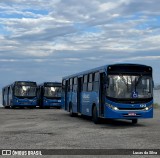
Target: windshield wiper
(123, 79)
(138, 80)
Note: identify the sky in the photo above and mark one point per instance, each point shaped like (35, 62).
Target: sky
(44, 40)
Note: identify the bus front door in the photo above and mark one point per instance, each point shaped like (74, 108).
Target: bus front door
(101, 95)
(79, 89)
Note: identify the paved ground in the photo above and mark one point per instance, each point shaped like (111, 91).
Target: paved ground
(55, 129)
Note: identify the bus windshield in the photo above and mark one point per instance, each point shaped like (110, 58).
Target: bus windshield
(129, 86)
(26, 91)
(52, 91)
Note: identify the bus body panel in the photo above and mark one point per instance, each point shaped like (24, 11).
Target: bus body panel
(74, 101)
(88, 100)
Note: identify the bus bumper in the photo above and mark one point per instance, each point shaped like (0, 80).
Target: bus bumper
(127, 114)
(24, 103)
(51, 104)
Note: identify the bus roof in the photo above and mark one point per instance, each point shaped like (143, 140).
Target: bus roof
(50, 84)
(19, 82)
(103, 69)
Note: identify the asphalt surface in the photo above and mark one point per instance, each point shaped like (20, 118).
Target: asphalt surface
(55, 129)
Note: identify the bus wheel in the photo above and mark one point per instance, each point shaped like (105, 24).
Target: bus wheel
(134, 121)
(32, 107)
(95, 118)
(41, 107)
(13, 107)
(7, 107)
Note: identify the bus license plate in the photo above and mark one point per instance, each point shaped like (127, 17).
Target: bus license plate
(132, 114)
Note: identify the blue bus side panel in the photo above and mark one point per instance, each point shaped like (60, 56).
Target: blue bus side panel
(87, 101)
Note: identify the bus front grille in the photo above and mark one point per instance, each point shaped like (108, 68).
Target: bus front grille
(130, 109)
(126, 115)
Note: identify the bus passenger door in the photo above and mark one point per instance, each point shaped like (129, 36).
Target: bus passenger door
(79, 89)
(101, 95)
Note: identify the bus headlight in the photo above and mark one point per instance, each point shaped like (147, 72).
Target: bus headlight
(148, 107)
(16, 100)
(112, 107)
(115, 108)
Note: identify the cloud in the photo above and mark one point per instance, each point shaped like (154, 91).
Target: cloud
(38, 37)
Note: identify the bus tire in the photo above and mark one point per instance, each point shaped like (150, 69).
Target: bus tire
(134, 121)
(95, 118)
(32, 107)
(41, 107)
(72, 114)
(13, 107)
(21, 107)
(7, 107)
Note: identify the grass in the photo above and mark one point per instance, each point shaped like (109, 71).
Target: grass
(156, 105)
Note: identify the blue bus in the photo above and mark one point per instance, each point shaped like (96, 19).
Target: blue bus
(20, 94)
(118, 91)
(49, 94)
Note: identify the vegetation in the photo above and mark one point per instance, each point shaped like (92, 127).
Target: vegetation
(156, 105)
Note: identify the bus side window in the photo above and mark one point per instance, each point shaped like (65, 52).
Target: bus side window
(5, 92)
(85, 80)
(90, 82)
(96, 82)
(10, 91)
(75, 81)
(68, 86)
(63, 85)
(71, 84)
(75, 84)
